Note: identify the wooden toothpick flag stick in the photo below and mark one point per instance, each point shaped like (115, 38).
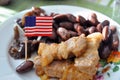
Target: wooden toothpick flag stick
(34, 26)
(26, 49)
(37, 26)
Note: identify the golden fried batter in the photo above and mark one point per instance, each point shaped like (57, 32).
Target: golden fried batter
(74, 46)
(84, 66)
(88, 61)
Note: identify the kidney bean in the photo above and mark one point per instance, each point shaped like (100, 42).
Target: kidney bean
(71, 18)
(63, 33)
(55, 25)
(99, 27)
(54, 35)
(53, 14)
(93, 19)
(109, 40)
(115, 42)
(86, 32)
(64, 17)
(72, 33)
(87, 24)
(104, 51)
(79, 29)
(92, 30)
(81, 20)
(105, 33)
(113, 29)
(25, 66)
(105, 23)
(66, 25)
(37, 11)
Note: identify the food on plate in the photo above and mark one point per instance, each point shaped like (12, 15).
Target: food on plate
(93, 19)
(25, 66)
(65, 34)
(109, 43)
(105, 23)
(66, 26)
(17, 45)
(74, 49)
(83, 67)
(89, 60)
(64, 17)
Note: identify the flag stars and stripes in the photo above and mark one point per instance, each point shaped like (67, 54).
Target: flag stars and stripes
(38, 26)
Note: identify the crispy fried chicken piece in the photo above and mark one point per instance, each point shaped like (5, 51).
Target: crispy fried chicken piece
(84, 67)
(72, 73)
(63, 70)
(89, 60)
(74, 46)
(56, 67)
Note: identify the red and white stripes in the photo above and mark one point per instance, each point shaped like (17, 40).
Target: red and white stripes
(43, 27)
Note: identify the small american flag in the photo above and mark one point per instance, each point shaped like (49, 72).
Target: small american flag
(38, 26)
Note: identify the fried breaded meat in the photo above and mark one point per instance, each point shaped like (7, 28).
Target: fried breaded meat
(59, 66)
(74, 46)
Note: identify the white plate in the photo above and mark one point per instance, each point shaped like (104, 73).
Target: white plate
(8, 64)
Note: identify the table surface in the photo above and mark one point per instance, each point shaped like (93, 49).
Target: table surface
(19, 5)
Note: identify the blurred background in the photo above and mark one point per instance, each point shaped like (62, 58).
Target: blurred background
(9, 8)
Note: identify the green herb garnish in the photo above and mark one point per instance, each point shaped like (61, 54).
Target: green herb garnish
(103, 62)
(116, 68)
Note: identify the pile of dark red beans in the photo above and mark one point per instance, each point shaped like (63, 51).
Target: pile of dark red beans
(67, 25)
